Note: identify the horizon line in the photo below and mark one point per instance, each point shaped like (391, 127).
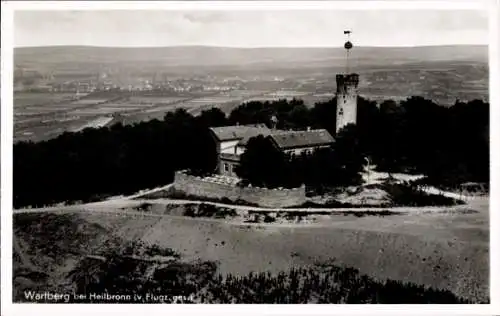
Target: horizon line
(244, 47)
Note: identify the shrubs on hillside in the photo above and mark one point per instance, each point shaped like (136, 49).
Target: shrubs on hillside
(399, 194)
(119, 266)
(208, 210)
(198, 283)
(327, 285)
(406, 194)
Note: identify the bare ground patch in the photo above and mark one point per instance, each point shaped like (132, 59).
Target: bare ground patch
(439, 250)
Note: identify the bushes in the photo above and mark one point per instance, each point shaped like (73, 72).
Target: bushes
(401, 194)
(330, 285)
(125, 269)
(269, 219)
(208, 210)
(199, 283)
(409, 195)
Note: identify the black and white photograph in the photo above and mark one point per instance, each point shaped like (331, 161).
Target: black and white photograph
(244, 155)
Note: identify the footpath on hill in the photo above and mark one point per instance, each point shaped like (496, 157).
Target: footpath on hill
(369, 178)
(134, 200)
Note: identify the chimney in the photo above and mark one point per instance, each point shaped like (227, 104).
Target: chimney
(308, 128)
(237, 123)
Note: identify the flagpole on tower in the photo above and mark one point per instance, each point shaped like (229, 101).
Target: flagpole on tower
(347, 46)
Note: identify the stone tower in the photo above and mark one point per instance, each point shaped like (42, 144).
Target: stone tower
(347, 100)
(347, 93)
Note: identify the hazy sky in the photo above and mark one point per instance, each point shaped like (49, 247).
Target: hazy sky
(249, 28)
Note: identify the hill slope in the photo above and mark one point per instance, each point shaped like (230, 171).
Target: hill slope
(223, 56)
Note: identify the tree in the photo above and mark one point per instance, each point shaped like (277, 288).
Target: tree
(324, 115)
(348, 156)
(367, 122)
(262, 164)
(386, 152)
(212, 118)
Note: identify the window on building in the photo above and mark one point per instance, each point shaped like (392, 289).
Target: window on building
(226, 167)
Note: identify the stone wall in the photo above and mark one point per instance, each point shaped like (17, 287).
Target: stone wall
(198, 186)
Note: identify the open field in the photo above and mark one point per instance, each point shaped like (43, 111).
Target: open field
(154, 100)
(89, 101)
(45, 121)
(22, 99)
(99, 122)
(445, 250)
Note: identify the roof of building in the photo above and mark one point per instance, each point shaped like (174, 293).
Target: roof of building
(253, 133)
(225, 133)
(296, 139)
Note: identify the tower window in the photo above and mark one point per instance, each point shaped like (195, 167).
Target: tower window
(341, 111)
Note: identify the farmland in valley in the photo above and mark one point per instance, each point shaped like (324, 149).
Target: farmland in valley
(442, 74)
(37, 121)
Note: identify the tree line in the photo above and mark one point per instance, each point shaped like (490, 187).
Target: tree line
(263, 165)
(416, 135)
(95, 163)
(448, 144)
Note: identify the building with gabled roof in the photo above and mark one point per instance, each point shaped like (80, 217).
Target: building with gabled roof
(289, 140)
(227, 139)
(236, 132)
(231, 142)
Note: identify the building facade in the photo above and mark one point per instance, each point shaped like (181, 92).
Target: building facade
(228, 146)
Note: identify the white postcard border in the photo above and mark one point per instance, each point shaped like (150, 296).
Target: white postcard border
(8, 308)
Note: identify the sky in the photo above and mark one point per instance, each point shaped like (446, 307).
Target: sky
(313, 28)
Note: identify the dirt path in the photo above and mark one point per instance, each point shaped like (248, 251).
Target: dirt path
(125, 202)
(132, 200)
(424, 246)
